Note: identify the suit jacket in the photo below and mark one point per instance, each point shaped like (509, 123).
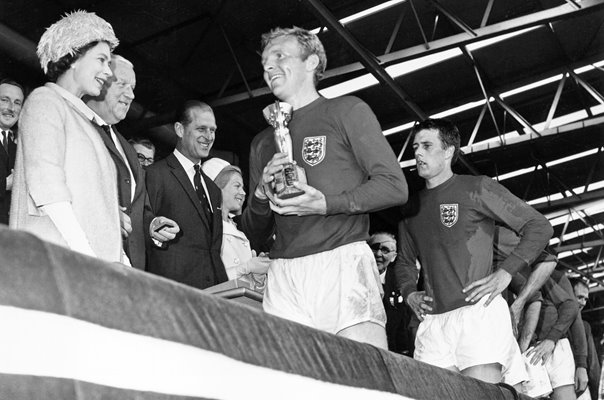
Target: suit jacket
(193, 257)
(7, 163)
(134, 244)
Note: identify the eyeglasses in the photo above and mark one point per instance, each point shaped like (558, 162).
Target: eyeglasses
(144, 160)
(378, 247)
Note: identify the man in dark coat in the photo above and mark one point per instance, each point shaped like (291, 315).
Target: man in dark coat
(179, 190)
(11, 100)
(111, 106)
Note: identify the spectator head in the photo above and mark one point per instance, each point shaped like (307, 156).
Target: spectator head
(436, 145)
(117, 94)
(196, 129)
(581, 289)
(230, 181)
(383, 245)
(145, 151)
(11, 101)
(75, 52)
(292, 57)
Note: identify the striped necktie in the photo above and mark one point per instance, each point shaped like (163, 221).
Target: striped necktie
(5, 139)
(205, 204)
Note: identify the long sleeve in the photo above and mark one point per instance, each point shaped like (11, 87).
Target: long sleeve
(578, 341)
(386, 186)
(43, 135)
(148, 216)
(593, 363)
(257, 220)
(405, 268)
(532, 227)
(62, 215)
(565, 304)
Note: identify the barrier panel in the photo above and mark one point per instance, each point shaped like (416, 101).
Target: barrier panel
(79, 328)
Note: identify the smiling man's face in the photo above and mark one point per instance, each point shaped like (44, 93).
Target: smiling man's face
(11, 101)
(197, 136)
(285, 72)
(117, 94)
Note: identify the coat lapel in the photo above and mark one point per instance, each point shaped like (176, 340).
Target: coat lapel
(181, 176)
(137, 170)
(4, 158)
(109, 143)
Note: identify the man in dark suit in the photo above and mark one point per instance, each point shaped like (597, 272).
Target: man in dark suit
(11, 101)
(111, 106)
(179, 190)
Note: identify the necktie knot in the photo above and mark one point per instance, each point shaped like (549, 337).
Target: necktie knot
(6, 138)
(106, 129)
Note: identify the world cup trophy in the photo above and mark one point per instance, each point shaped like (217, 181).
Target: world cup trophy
(278, 116)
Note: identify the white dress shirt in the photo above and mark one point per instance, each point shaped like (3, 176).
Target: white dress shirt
(189, 167)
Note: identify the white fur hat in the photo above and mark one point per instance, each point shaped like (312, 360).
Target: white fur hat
(72, 32)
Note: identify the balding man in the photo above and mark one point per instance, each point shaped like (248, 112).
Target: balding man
(111, 107)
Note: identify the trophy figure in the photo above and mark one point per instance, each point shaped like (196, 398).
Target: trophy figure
(278, 116)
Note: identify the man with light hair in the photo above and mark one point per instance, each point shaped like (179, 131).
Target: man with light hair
(111, 107)
(321, 235)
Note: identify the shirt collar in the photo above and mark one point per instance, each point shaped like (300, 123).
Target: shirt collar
(97, 119)
(184, 161)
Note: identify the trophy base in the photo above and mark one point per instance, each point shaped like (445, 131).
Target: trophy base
(284, 181)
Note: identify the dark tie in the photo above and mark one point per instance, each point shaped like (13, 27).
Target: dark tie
(205, 204)
(107, 130)
(5, 140)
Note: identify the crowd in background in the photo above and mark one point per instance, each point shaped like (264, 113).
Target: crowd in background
(467, 283)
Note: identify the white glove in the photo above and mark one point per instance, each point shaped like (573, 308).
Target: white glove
(257, 265)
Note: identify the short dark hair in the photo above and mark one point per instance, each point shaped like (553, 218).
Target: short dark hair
(183, 113)
(308, 41)
(58, 68)
(142, 141)
(447, 132)
(10, 81)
